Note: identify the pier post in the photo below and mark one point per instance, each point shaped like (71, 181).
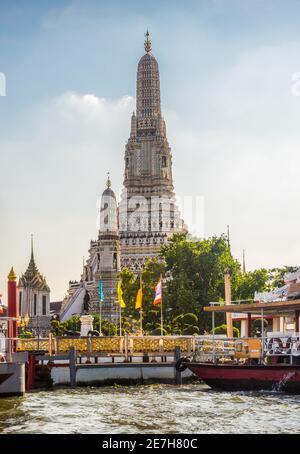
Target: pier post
(178, 377)
(50, 344)
(72, 366)
(126, 347)
(55, 346)
(89, 350)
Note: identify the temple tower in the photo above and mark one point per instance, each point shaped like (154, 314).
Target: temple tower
(108, 253)
(147, 211)
(103, 263)
(34, 298)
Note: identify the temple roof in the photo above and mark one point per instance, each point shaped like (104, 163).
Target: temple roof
(32, 277)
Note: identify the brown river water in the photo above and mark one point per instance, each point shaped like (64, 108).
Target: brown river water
(192, 408)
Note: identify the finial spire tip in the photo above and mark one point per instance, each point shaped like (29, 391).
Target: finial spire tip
(108, 183)
(147, 43)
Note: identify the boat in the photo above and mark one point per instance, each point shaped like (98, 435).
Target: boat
(268, 362)
(12, 368)
(234, 377)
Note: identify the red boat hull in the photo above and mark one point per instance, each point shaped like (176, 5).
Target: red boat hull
(281, 377)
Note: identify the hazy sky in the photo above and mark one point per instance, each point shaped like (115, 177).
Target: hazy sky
(226, 70)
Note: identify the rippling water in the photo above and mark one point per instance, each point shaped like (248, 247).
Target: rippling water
(150, 409)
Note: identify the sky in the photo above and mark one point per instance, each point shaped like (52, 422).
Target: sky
(229, 74)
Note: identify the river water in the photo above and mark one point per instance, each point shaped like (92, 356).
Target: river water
(193, 408)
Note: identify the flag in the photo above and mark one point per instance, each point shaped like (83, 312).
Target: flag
(120, 294)
(157, 298)
(1, 305)
(26, 319)
(100, 290)
(139, 296)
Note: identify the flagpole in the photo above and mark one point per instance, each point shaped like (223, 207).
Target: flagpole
(141, 320)
(141, 308)
(100, 317)
(120, 320)
(100, 306)
(161, 309)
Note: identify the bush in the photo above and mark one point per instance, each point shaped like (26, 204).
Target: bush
(222, 329)
(26, 335)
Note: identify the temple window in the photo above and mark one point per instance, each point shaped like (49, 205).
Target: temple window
(20, 303)
(164, 161)
(44, 305)
(35, 304)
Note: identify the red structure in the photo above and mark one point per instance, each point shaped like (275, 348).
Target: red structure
(12, 307)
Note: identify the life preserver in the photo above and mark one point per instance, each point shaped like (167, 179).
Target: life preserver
(279, 343)
(180, 365)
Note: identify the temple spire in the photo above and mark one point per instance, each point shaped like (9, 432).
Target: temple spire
(148, 92)
(147, 43)
(244, 262)
(32, 257)
(12, 275)
(108, 182)
(228, 236)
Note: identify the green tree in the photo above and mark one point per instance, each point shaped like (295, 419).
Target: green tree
(250, 282)
(276, 276)
(197, 269)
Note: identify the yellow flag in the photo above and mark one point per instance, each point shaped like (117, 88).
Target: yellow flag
(139, 296)
(120, 294)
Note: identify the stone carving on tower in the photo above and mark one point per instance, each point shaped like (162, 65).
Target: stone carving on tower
(34, 298)
(148, 214)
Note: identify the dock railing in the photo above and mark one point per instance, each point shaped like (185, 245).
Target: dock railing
(127, 345)
(273, 348)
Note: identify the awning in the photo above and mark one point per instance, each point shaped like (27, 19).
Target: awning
(278, 308)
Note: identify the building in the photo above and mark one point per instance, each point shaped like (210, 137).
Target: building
(34, 298)
(147, 214)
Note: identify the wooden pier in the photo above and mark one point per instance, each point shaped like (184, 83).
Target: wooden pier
(98, 369)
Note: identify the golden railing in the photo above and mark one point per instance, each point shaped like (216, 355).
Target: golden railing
(113, 344)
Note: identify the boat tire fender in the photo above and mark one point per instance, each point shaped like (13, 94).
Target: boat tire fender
(181, 365)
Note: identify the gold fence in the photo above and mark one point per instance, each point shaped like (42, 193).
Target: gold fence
(114, 344)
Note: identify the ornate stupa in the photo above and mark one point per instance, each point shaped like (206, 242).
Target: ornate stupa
(148, 212)
(103, 264)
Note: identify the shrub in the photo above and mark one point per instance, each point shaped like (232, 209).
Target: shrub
(222, 329)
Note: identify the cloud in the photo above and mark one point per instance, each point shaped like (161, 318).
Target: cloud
(236, 144)
(53, 172)
(242, 143)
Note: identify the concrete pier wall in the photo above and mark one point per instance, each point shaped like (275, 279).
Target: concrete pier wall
(109, 374)
(12, 379)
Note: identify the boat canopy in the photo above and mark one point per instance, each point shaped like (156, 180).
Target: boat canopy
(278, 308)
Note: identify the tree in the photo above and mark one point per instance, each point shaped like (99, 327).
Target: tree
(197, 269)
(130, 285)
(276, 276)
(250, 282)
